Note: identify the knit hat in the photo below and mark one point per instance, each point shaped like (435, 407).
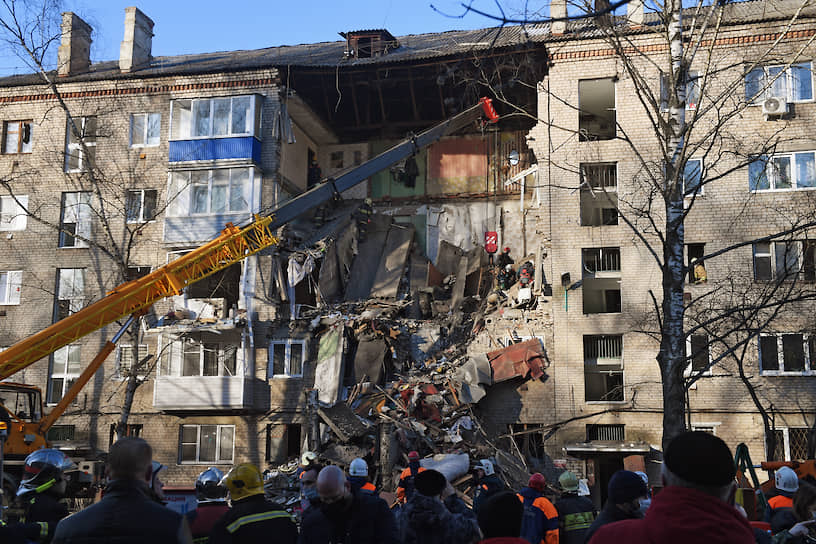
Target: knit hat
(700, 458)
(430, 483)
(626, 486)
(500, 515)
(538, 482)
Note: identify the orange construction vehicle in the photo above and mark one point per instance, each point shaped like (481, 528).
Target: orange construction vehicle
(21, 405)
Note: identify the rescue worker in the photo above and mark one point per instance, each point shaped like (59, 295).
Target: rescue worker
(575, 513)
(526, 274)
(308, 487)
(251, 518)
(307, 460)
(504, 258)
(539, 523)
(42, 486)
(487, 483)
(212, 504)
(507, 277)
(22, 533)
(624, 493)
(780, 507)
(363, 218)
(358, 477)
(406, 482)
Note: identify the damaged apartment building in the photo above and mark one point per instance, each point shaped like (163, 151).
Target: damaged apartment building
(373, 327)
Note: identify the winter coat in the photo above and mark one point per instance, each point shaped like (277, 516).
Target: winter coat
(368, 521)
(680, 515)
(425, 520)
(539, 523)
(252, 520)
(125, 515)
(202, 520)
(503, 540)
(43, 508)
(485, 488)
(609, 514)
(575, 516)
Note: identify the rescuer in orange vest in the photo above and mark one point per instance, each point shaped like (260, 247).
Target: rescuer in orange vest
(358, 477)
(406, 484)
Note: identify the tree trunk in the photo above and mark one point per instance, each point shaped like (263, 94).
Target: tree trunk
(132, 382)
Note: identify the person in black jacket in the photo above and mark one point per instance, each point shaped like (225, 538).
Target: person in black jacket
(626, 490)
(41, 488)
(345, 517)
(251, 518)
(127, 513)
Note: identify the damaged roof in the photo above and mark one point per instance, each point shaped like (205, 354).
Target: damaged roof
(413, 47)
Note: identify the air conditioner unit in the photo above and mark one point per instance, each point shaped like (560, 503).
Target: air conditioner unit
(774, 106)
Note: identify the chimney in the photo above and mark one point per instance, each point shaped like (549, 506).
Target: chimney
(74, 53)
(134, 52)
(558, 10)
(634, 12)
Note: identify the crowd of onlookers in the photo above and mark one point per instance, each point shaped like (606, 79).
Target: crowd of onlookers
(695, 503)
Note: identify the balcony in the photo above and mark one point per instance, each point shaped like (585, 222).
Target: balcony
(244, 148)
(210, 393)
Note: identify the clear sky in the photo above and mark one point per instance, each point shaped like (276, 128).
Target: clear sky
(187, 26)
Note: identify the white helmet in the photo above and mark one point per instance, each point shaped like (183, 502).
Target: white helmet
(487, 466)
(508, 267)
(358, 467)
(308, 458)
(786, 480)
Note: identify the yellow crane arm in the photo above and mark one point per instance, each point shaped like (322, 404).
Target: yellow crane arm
(231, 246)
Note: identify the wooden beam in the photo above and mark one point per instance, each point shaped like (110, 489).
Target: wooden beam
(413, 96)
(382, 102)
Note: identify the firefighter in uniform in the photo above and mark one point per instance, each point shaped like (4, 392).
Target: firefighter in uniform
(212, 504)
(251, 518)
(42, 486)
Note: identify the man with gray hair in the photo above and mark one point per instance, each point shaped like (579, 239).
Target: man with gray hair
(127, 513)
(696, 504)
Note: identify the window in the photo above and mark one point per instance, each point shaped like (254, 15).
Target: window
(599, 195)
(529, 439)
(75, 221)
(282, 442)
(792, 444)
(131, 429)
(17, 137)
(710, 428)
(215, 117)
(124, 361)
(693, 177)
(785, 260)
(787, 353)
(601, 280)
(10, 287)
(794, 84)
(185, 357)
(692, 90)
(206, 444)
(70, 291)
(603, 368)
(65, 369)
(697, 349)
(85, 131)
(145, 129)
(783, 172)
(287, 358)
(141, 205)
(136, 272)
(336, 160)
(596, 102)
(60, 433)
(13, 214)
(696, 266)
(203, 192)
(612, 433)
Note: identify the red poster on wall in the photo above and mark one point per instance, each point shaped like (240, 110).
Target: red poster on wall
(491, 241)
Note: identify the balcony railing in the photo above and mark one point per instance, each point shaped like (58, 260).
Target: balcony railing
(210, 393)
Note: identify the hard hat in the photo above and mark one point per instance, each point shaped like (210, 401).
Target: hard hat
(44, 468)
(369, 201)
(413, 456)
(537, 482)
(786, 479)
(208, 486)
(508, 267)
(243, 481)
(358, 467)
(506, 250)
(487, 466)
(308, 458)
(568, 481)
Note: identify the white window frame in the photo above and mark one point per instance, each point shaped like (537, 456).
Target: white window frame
(76, 206)
(73, 147)
(13, 216)
(799, 248)
(141, 218)
(699, 191)
(174, 349)
(144, 351)
(22, 147)
(198, 460)
(146, 118)
(688, 372)
(810, 363)
(773, 178)
(10, 282)
(692, 89)
(61, 358)
(613, 365)
(767, 91)
(75, 279)
(705, 425)
(287, 362)
(180, 194)
(182, 129)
